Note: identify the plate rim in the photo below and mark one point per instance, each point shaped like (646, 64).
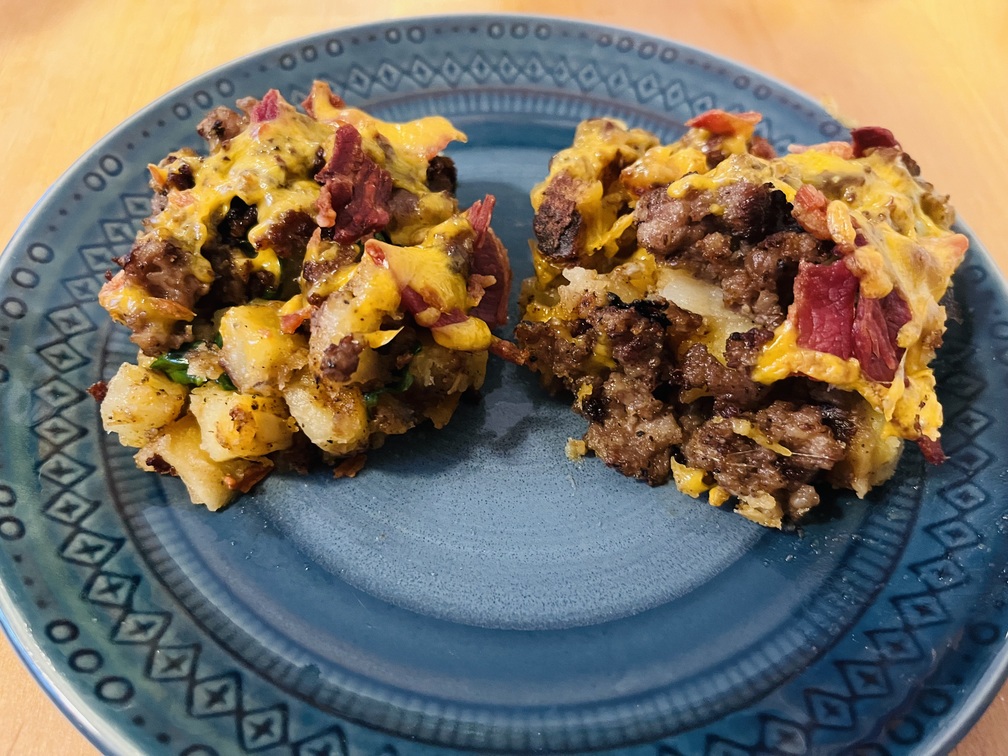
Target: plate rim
(103, 734)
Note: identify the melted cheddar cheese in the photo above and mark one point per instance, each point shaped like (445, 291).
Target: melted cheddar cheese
(301, 281)
(906, 247)
(869, 210)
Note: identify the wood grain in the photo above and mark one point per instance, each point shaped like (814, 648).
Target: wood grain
(936, 73)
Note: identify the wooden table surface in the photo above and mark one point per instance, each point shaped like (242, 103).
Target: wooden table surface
(936, 73)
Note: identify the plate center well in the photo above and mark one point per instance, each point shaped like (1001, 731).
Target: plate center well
(486, 523)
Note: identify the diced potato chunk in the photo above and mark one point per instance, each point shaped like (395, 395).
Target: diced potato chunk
(448, 371)
(335, 420)
(234, 425)
(178, 451)
(257, 355)
(358, 309)
(140, 402)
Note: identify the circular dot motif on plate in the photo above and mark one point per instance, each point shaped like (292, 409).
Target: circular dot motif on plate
(26, 279)
(62, 631)
(11, 528)
(94, 182)
(7, 496)
(85, 660)
(114, 690)
(257, 721)
(41, 253)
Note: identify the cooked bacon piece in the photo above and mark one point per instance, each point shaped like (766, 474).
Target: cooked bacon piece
(416, 305)
(810, 211)
(761, 148)
(722, 123)
(870, 137)
(489, 260)
(876, 324)
(830, 317)
(932, 450)
(872, 347)
(354, 200)
(350, 466)
(479, 216)
(823, 309)
(721, 127)
(412, 300)
(450, 318)
(897, 313)
(334, 99)
(291, 321)
(98, 390)
(267, 108)
(508, 351)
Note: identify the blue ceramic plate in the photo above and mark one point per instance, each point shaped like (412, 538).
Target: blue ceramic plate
(474, 589)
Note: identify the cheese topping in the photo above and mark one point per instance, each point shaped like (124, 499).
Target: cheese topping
(744, 323)
(267, 167)
(310, 281)
(882, 218)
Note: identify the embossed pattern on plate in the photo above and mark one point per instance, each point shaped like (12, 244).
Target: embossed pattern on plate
(481, 593)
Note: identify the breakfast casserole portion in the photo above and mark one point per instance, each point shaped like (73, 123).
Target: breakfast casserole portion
(745, 324)
(307, 288)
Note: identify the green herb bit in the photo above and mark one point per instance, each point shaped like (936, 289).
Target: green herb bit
(175, 364)
(399, 387)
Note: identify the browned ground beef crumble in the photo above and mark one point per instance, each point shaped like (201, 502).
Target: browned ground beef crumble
(659, 397)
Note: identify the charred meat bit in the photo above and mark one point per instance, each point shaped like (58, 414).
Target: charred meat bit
(220, 125)
(289, 234)
(752, 212)
(163, 270)
(237, 222)
(441, 174)
(666, 225)
(340, 360)
(558, 225)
